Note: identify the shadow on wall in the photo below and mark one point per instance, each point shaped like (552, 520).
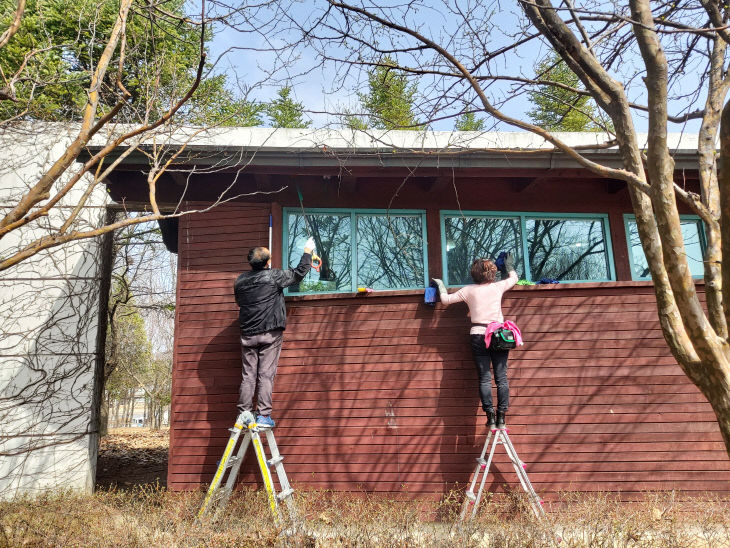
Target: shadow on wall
(599, 403)
(374, 396)
(206, 398)
(48, 335)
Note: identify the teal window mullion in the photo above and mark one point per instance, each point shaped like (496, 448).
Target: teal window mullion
(424, 249)
(444, 263)
(353, 252)
(611, 267)
(525, 248)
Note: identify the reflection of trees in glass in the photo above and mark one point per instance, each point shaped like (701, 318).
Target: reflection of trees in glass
(692, 243)
(331, 233)
(566, 249)
(472, 237)
(389, 251)
(638, 260)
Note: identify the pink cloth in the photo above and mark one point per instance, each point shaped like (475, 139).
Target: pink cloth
(508, 324)
(484, 300)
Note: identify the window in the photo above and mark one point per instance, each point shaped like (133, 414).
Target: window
(694, 244)
(561, 247)
(390, 250)
(470, 237)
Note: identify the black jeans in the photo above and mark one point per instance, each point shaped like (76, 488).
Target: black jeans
(498, 358)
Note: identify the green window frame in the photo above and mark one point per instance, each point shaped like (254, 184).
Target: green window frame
(390, 251)
(695, 241)
(522, 244)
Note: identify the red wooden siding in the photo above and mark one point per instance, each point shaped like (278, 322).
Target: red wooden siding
(379, 392)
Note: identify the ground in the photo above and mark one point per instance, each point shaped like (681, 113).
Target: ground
(133, 456)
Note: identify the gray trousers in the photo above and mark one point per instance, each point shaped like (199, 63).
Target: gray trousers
(260, 355)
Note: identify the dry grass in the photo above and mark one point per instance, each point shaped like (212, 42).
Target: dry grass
(152, 516)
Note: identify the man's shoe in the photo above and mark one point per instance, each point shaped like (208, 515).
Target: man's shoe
(491, 424)
(246, 417)
(265, 420)
(500, 419)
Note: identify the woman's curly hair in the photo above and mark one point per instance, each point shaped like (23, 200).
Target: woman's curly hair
(483, 271)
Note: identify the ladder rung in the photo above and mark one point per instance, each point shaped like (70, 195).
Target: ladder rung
(285, 493)
(276, 460)
(231, 461)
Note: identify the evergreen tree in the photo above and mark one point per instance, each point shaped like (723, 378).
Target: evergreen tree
(160, 62)
(285, 112)
(558, 109)
(389, 100)
(468, 121)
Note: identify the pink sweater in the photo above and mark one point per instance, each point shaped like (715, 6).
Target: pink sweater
(484, 301)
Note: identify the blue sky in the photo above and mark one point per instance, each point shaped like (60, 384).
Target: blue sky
(322, 89)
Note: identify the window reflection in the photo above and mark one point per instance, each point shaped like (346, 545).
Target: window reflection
(389, 251)
(693, 243)
(470, 237)
(331, 233)
(567, 249)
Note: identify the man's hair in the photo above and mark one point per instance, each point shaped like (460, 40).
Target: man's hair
(483, 271)
(258, 257)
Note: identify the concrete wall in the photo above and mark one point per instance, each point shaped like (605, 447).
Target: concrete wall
(49, 323)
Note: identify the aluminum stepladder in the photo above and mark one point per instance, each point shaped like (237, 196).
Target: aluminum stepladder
(217, 496)
(498, 437)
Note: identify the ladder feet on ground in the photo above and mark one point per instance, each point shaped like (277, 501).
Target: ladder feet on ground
(250, 434)
(498, 436)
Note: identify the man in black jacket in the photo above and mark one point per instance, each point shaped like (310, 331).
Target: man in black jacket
(262, 319)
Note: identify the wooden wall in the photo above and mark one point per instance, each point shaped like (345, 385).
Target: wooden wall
(379, 393)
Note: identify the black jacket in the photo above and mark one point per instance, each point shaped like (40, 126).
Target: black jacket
(260, 294)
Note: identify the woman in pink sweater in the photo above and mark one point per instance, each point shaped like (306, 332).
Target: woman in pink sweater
(484, 299)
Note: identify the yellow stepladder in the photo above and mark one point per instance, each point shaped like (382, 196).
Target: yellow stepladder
(217, 496)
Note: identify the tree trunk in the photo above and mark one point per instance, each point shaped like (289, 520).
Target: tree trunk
(104, 415)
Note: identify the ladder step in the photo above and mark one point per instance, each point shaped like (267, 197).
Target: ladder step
(274, 461)
(285, 493)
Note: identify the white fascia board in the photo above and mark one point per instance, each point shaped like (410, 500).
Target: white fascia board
(391, 148)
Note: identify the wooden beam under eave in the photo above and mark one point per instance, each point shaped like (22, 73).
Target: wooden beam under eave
(520, 184)
(179, 178)
(434, 184)
(347, 184)
(613, 186)
(263, 182)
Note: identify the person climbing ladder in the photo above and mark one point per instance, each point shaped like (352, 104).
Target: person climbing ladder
(484, 299)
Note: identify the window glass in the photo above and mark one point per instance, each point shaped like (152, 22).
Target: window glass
(332, 234)
(567, 249)
(390, 251)
(469, 237)
(693, 243)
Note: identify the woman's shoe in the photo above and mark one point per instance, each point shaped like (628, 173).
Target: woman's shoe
(491, 424)
(500, 419)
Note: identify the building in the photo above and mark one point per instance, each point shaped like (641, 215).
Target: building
(52, 308)
(377, 391)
